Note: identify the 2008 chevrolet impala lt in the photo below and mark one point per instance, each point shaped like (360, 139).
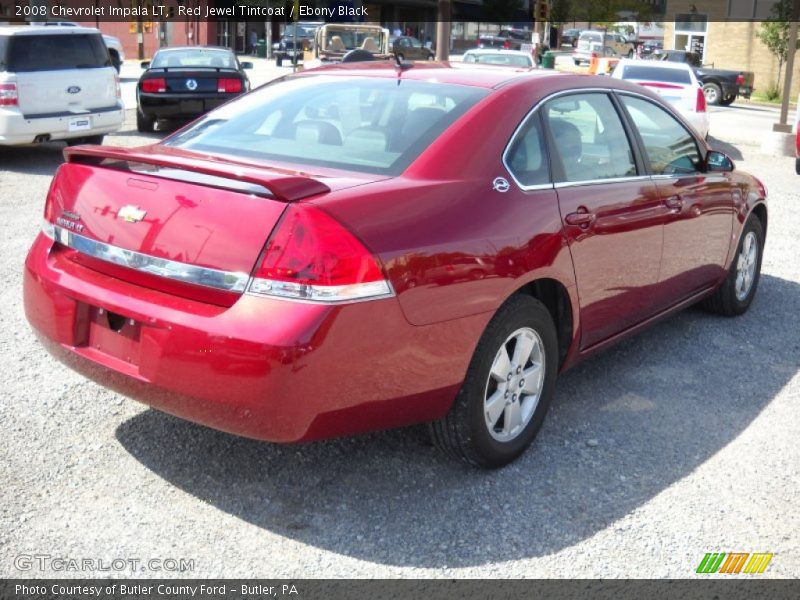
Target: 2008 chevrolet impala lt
(371, 246)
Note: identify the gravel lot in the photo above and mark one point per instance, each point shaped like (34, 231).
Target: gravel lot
(680, 441)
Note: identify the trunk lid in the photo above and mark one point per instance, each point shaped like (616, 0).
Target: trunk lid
(169, 220)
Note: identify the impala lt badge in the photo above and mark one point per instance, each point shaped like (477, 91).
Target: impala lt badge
(131, 213)
(69, 220)
(500, 184)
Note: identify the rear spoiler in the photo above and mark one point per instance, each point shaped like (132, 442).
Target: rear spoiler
(282, 185)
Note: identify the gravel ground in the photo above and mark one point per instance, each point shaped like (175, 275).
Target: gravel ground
(679, 441)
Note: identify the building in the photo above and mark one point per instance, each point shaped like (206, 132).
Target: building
(725, 34)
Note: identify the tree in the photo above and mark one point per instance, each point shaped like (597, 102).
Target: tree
(774, 34)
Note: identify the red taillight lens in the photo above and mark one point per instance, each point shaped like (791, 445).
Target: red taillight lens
(739, 79)
(154, 85)
(228, 86)
(311, 256)
(700, 103)
(8, 94)
(507, 44)
(797, 139)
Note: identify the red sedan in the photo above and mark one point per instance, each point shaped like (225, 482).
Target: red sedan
(370, 246)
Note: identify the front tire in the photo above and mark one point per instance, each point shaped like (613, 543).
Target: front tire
(507, 389)
(734, 296)
(713, 93)
(727, 100)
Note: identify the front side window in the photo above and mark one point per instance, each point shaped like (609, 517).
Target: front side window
(373, 125)
(670, 148)
(589, 140)
(526, 158)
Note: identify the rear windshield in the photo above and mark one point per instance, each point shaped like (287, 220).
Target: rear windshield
(360, 124)
(181, 59)
(57, 52)
(513, 60)
(643, 73)
(591, 37)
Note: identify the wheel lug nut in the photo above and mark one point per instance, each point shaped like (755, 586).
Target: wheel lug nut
(508, 377)
(521, 383)
(519, 370)
(506, 394)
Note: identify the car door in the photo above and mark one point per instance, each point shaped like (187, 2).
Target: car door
(701, 205)
(611, 212)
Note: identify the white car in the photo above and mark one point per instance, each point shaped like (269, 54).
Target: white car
(505, 58)
(56, 84)
(674, 82)
(113, 44)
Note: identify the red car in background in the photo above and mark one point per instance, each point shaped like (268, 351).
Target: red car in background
(278, 269)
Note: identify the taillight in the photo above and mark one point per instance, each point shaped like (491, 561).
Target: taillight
(229, 85)
(700, 103)
(739, 79)
(157, 85)
(311, 256)
(507, 44)
(797, 139)
(8, 94)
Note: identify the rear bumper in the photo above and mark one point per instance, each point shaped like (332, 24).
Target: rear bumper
(263, 368)
(179, 106)
(16, 128)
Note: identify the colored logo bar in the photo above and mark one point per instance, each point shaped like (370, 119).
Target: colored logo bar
(734, 563)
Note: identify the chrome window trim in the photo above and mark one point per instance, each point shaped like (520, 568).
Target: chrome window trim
(229, 281)
(562, 184)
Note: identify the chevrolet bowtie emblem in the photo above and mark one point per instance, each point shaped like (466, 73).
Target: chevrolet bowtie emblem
(131, 213)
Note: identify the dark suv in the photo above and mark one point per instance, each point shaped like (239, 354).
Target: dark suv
(292, 45)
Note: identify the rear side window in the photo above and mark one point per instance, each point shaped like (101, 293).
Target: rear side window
(589, 139)
(526, 158)
(669, 147)
(656, 74)
(3, 46)
(57, 52)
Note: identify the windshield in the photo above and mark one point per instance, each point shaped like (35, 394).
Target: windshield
(193, 58)
(361, 124)
(57, 52)
(351, 38)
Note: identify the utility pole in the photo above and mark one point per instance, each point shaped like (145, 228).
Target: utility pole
(443, 30)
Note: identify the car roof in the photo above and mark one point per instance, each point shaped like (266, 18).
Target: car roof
(174, 48)
(41, 30)
(483, 76)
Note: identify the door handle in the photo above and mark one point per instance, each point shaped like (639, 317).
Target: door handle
(674, 203)
(582, 218)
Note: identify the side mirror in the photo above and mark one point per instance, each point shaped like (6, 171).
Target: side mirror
(247, 65)
(145, 64)
(718, 162)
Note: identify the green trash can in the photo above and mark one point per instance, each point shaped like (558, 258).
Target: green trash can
(261, 48)
(549, 60)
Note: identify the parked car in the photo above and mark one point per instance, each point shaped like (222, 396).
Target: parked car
(56, 84)
(570, 37)
(289, 48)
(253, 271)
(675, 83)
(596, 44)
(115, 49)
(333, 41)
(720, 86)
(184, 82)
(651, 46)
(509, 39)
(505, 58)
(407, 47)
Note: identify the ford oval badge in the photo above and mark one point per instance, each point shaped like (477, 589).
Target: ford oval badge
(73, 89)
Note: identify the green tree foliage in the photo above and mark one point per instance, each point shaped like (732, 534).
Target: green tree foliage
(775, 34)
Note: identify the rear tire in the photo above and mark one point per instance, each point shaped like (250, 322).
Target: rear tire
(797, 165)
(577, 62)
(713, 93)
(279, 61)
(727, 100)
(497, 414)
(735, 294)
(144, 124)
